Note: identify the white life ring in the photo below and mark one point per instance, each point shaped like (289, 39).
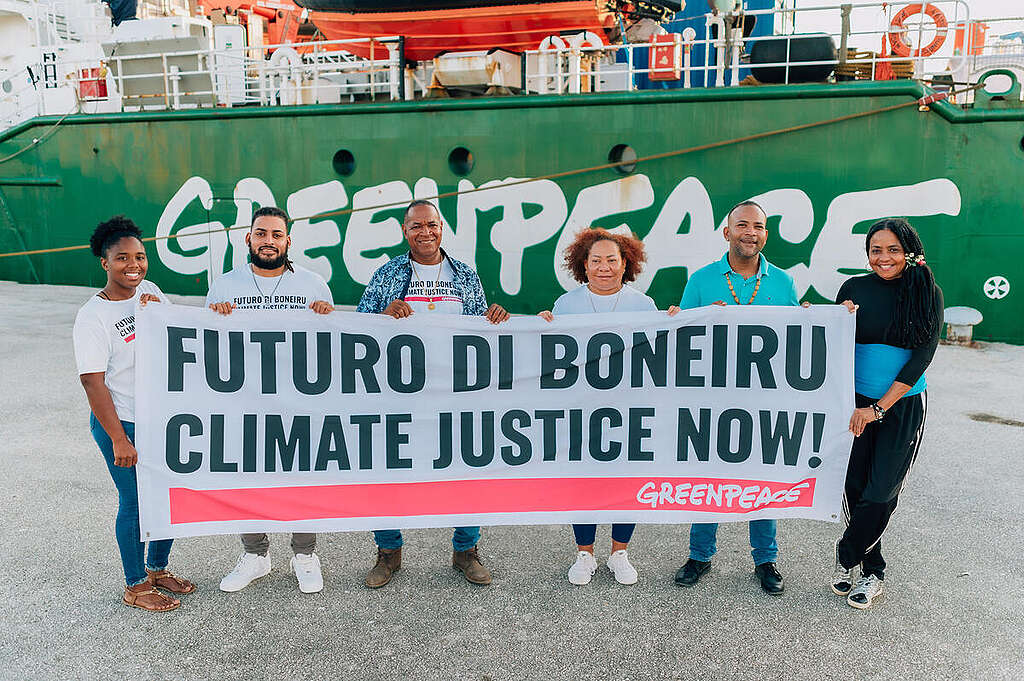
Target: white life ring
(552, 42)
(288, 55)
(585, 39)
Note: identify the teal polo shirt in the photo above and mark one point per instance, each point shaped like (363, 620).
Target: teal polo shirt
(708, 284)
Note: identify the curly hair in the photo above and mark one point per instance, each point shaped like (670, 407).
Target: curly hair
(631, 248)
(916, 321)
(109, 232)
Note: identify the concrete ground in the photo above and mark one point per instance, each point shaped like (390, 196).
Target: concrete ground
(953, 607)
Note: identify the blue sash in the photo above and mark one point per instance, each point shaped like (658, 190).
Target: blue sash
(875, 367)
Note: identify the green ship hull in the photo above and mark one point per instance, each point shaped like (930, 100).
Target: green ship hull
(956, 174)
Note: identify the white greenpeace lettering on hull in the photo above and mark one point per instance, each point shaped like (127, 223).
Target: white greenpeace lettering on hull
(835, 253)
(307, 235)
(667, 248)
(837, 247)
(514, 232)
(190, 237)
(364, 233)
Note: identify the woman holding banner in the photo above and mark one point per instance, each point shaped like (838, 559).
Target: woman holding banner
(603, 262)
(104, 336)
(899, 312)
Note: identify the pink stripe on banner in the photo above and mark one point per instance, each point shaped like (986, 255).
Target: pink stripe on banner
(433, 299)
(451, 497)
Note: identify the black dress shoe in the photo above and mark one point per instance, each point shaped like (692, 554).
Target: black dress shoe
(690, 574)
(771, 579)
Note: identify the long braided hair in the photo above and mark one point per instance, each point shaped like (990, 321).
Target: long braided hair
(915, 321)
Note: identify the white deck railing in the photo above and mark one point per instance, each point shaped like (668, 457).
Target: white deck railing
(725, 58)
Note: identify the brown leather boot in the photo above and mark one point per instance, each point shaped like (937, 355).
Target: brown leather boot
(469, 563)
(389, 561)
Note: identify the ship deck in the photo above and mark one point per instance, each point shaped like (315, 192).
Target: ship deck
(955, 583)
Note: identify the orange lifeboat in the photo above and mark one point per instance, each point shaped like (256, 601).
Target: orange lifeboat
(456, 26)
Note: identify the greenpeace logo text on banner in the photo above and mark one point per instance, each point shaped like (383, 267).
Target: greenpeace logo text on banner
(725, 496)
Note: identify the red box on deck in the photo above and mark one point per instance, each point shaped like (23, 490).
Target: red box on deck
(665, 58)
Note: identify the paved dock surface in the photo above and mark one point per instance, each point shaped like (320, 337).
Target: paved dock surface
(954, 607)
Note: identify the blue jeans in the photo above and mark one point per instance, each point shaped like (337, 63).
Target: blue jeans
(464, 538)
(762, 541)
(126, 527)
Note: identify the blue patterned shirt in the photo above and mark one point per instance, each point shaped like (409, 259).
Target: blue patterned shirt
(391, 281)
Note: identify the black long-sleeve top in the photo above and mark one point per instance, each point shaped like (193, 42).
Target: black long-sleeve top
(877, 300)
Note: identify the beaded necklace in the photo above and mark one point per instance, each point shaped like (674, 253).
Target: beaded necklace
(733, 291)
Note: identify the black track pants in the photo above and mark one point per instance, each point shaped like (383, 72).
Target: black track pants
(879, 464)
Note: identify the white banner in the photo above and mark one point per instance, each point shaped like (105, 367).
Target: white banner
(301, 422)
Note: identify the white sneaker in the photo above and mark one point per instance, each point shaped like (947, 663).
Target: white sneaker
(583, 569)
(620, 566)
(867, 589)
(842, 579)
(251, 566)
(306, 567)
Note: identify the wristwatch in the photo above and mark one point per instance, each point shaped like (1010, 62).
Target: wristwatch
(879, 412)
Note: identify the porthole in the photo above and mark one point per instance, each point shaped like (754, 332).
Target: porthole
(344, 162)
(625, 156)
(461, 161)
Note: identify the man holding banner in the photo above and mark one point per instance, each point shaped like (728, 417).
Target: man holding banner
(742, 277)
(271, 282)
(427, 280)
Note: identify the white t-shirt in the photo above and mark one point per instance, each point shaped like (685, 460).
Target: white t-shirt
(249, 291)
(582, 300)
(104, 338)
(433, 285)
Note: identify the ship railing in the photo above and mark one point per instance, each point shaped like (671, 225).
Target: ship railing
(279, 74)
(996, 44)
(67, 21)
(294, 73)
(725, 57)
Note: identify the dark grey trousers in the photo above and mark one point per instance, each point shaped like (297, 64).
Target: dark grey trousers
(259, 543)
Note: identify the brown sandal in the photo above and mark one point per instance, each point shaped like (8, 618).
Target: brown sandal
(149, 599)
(168, 581)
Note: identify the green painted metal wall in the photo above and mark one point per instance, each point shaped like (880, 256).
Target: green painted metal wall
(957, 174)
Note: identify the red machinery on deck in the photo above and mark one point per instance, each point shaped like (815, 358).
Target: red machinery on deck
(282, 18)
